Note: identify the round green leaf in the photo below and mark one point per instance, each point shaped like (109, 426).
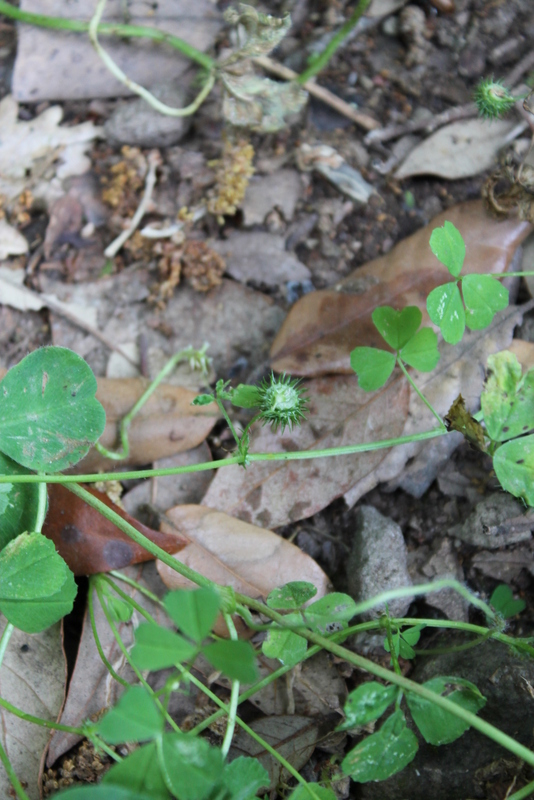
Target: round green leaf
(157, 648)
(134, 718)
(448, 246)
(19, 502)
(508, 398)
(397, 327)
(437, 725)
(49, 415)
(244, 777)
(235, 659)
(372, 366)
(291, 595)
(446, 310)
(193, 767)
(483, 297)
(30, 568)
(139, 774)
(514, 466)
(194, 611)
(382, 754)
(203, 400)
(35, 614)
(502, 600)
(422, 352)
(102, 793)
(285, 645)
(366, 703)
(330, 613)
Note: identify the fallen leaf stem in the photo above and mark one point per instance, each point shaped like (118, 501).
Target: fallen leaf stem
(109, 29)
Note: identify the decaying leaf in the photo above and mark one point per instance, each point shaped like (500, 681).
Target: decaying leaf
(323, 327)
(89, 542)
(276, 493)
(234, 553)
(28, 149)
(91, 687)
(33, 678)
(458, 150)
(459, 419)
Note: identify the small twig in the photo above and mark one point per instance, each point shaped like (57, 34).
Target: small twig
(363, 120)
(136, 88)
(154, 160)
(428, 125)
(526, 63)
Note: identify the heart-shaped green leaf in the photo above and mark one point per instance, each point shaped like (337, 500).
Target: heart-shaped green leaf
(235, 659)
(372, 366)
(135, 718)
(157, 647)
(439, 726)
(503, 601)
(446, 310)
(49, 415)
(483, 297)
(383, 753)
(285, 645)
(514, 466)
(508, 398)
(422, 352)
(193, 610)
(448, 246)
(397, 327)
(291, 595)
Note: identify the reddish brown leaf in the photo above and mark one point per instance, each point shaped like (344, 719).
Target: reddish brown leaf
(323, 327)
(89, 542)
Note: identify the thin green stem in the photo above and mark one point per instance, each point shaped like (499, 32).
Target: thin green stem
(109, 29)
(103, 657)
(234, 695)
(391, 645)
(44, 723)
(4, 640)
(188, 354)
(136, 585)
(510, 274)
(16, 784)
(228, 421)
(127, 599)
(410, 686)
(227, 462)
(42, 500)
(420, 394)
(526, 791)
(322, 60)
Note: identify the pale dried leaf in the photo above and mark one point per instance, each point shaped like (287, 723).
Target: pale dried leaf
(33, 678)
(458, 150)
(234, 553)
(12, 243)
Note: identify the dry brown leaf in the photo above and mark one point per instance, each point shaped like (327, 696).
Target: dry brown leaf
(234, 553)
(166, 425)
(91, 687)
(271, 494)
(33, 678)
(323, 327)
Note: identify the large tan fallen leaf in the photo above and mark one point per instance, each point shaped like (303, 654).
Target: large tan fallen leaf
(276, 493)
(166, 425)
(458, 150)
(33, 678)
(323, 327)
(28, 148)
(234, 553)
(91, 688)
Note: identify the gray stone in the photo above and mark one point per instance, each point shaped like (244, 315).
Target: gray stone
(441, 562)
(260, 257)
(280, 190)
(378, 561)
(487, 526)
(461, 770)
(135, 122)
(60, 65)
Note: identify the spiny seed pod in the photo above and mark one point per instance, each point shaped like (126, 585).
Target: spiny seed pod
(282, 403)
(493, 99)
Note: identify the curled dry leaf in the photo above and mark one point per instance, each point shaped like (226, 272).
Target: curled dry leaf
(167, 424)
(234, 553)
(323, 327)
(277, 493)
(33, 678)
(89, 542)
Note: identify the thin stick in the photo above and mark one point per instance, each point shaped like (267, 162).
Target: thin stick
(363, 120)
(136, 88)
(154, 159)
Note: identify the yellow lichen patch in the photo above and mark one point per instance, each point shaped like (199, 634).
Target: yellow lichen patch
(234, 170)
